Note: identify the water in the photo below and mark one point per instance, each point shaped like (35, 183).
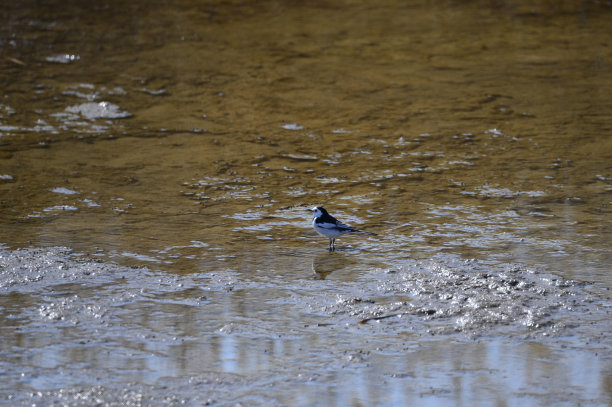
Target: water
(157, 161)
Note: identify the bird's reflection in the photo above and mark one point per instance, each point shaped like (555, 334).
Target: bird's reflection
(325, 263)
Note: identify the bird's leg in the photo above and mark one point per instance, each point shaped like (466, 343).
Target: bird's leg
(333, 245)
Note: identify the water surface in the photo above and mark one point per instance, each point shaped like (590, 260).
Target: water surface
(188, 140)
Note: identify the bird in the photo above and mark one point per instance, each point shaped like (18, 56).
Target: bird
(330, 227)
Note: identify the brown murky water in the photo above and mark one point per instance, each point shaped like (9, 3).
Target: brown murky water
(190, 139)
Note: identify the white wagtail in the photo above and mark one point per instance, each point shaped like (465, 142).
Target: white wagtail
(330, 227)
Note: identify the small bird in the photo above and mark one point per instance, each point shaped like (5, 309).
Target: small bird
(330, 227)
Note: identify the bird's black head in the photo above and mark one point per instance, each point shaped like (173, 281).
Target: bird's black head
(319, 211)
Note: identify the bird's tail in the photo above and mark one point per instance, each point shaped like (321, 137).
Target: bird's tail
(363, 232)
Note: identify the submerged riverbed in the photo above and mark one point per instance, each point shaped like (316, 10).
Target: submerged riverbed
(156, 167)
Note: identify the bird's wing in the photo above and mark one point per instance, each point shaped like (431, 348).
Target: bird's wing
(347, 228)
(329, 222)
(333, 224)
(327, 225)
(342, 226)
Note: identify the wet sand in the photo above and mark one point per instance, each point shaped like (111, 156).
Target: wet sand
(432, 332)
(157, 161)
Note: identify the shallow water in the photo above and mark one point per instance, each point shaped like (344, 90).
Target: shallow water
(188, 142)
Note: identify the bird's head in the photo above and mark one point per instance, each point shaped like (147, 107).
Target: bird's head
(318, 211)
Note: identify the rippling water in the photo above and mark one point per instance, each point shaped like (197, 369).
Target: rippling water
(189, 140)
